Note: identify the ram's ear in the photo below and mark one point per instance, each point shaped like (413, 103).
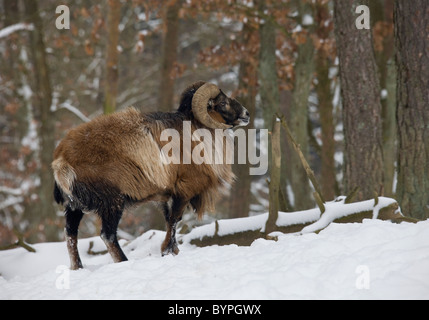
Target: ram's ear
(200, 104)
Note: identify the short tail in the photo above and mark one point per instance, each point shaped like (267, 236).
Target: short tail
(65, 177)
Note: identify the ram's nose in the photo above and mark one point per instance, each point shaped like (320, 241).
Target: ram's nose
(244, 118)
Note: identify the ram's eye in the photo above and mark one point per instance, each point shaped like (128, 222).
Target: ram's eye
(223, 104)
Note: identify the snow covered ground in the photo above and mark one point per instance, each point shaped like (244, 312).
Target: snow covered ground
(370, 260)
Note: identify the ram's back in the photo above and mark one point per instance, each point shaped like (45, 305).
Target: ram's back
(117, 150)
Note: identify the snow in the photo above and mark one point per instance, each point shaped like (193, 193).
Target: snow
(370, 260)
(335, 210)
(307, 20)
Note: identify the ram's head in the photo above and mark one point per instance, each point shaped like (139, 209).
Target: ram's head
(216, 110)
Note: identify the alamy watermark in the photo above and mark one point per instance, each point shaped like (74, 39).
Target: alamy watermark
(202, 147)
(364, 277)
(63, 19)
(363, 21)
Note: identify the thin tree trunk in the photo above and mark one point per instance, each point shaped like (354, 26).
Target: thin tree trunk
(43, 210)
(412, 59)
(324, 94)
(363, 162)
(382, 26)
(112, 56)
(268, 81)
(11, 12)
(298, 121)
(169, 55)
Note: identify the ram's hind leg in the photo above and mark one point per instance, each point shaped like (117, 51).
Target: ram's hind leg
(172, 216)
(73, 218)
(109, 227)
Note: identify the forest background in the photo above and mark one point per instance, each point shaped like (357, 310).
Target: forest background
(355, 93)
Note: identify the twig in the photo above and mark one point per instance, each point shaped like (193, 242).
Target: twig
(19, 243)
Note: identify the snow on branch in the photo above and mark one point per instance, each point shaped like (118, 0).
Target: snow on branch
(243, 231)
(5, 32)
(72, 109)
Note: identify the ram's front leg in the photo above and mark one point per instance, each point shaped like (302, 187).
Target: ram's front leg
(172, 216)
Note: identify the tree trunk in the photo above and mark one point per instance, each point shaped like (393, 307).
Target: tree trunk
(360, 90)
(412, 59)
(382, 26)
(268, 81)
(11, 12)
(43, 210)
(241, 195)
(324, 95)
(112, 56)
(298, 121)
(169, 55)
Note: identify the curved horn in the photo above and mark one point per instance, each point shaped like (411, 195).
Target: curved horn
(199, 106)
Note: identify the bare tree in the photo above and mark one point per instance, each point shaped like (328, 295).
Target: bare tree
(360, 90)
(43, 211)
(412, 58)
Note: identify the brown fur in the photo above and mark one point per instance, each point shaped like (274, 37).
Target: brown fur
(123, 149)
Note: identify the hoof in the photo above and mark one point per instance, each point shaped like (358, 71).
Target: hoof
(174, 250)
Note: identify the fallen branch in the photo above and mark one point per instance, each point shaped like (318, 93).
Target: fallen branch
(19, 243)
(243, 231)
(95, 253)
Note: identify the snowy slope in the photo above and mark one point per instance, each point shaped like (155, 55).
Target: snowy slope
(369, 260)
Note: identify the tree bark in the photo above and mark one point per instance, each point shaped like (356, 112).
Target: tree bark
(169, 55)
(112, 56)
(360, 90)
(412, 59)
